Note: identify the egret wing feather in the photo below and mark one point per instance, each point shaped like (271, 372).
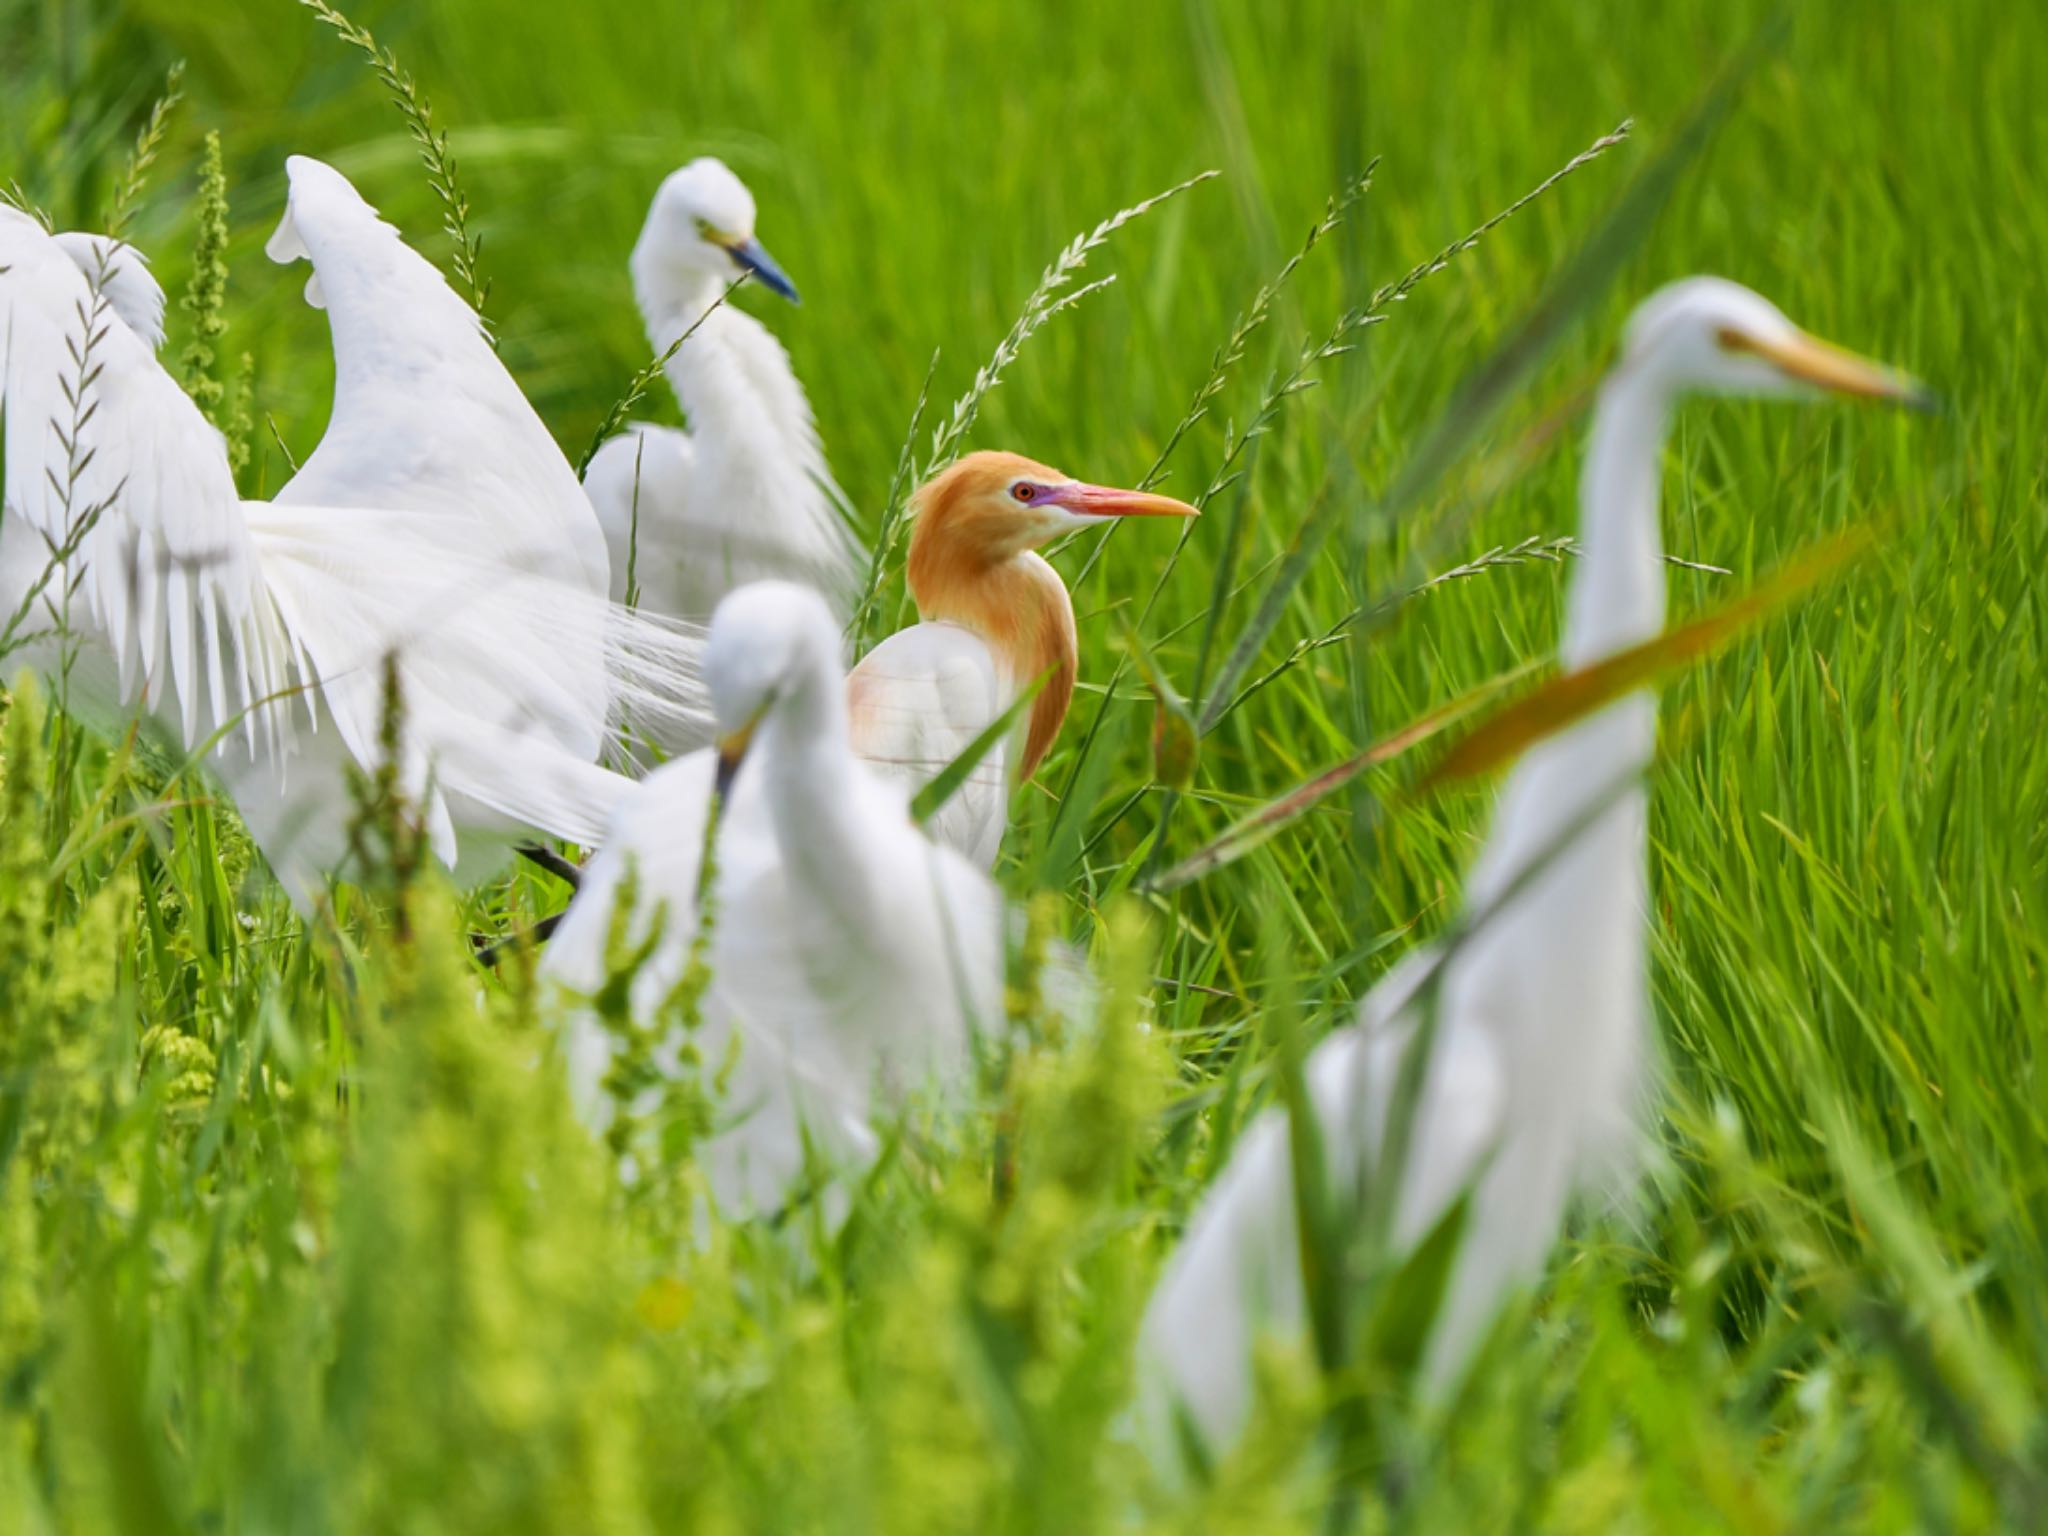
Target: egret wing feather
(1237, 1273)
(145, 506)
(765, 362)
(480, 653)
(425, 414)
(917, 701)
(124, 279)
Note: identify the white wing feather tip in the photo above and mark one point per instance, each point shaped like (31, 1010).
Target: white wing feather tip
(285, 244)
(208, 608)
(130, 289)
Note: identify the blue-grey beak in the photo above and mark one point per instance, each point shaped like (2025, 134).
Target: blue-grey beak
(754, 256)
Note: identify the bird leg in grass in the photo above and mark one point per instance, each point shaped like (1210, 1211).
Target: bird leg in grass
(490, 951)
(551, 861)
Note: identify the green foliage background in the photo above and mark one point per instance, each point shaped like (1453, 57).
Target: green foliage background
(295, 1235)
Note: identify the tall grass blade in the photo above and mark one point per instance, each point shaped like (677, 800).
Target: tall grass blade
(1251, 831)
(1465, 413)
(947, 781)
(443, 175)
(148, 141)
(1564, 701)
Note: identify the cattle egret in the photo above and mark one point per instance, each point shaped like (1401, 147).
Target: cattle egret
(996, 617)
(851, 959)
(744, 494)
(200, 607)
(1535, 1073)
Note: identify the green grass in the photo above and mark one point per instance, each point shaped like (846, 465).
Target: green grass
(293, 1237)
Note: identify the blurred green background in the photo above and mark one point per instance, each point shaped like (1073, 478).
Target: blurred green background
(1832, 1312)
(916, 170)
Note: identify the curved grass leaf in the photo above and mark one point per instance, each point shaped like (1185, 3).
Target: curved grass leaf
(1269, 818)
(1481, 397)
(926, 802)
(1564, 701)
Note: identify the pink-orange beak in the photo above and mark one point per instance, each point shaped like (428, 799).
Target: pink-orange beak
(1087, 500)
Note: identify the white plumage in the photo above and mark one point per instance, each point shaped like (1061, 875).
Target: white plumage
(200, 607)
(745, 494)
(425, 415)
(1536, 1067)
(851, 958)
(920, 698)
(124, 281)
(126, 475)
(995, 619)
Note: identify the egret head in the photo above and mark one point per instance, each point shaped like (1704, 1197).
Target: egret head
(768, 640)
(993, 506)
(1712, 336)
(702, 222)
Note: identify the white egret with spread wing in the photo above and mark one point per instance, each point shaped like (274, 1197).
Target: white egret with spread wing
(995, 618)
(272, 621)
(1535, 1073)
(745, 493)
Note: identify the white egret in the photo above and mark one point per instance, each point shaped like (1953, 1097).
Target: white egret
(198, 606)
(1536, 1070)
(995, 617)
(851, 959)
(745, 493)
(427, 418)
(425, 415)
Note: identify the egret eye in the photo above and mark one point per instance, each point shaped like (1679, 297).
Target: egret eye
(1023, 490)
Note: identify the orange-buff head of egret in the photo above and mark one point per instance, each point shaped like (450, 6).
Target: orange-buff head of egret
(990, 507)
(972, 563)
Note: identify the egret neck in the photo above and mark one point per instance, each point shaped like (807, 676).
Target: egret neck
(672, 298)
(1617, 600)
(746, 459)
(715, 394)
(809, 766)
(1618, 587)
(1596, 871)
(1012, 599)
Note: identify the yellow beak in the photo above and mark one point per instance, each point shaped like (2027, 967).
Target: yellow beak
(1110, 501)
(732, 751)
(1834, 369)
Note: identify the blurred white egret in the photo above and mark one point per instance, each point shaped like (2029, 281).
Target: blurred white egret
(199, 606)
(996, 616)
(745, 493)
(1535, 1074)
(852, 957)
